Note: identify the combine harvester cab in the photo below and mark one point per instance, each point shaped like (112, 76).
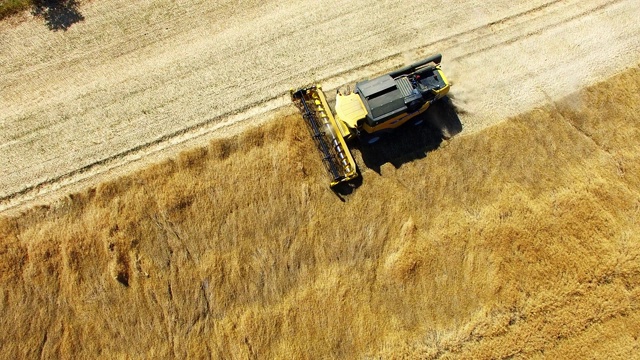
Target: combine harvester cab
(376, 106)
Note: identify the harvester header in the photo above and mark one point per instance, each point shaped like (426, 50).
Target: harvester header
(324, 130)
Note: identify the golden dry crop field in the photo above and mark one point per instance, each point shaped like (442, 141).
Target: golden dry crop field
(160, 197)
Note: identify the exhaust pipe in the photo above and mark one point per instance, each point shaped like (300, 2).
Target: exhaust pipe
(437, 58)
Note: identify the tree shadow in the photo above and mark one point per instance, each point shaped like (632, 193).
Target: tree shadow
(410, 142)
(57, 14)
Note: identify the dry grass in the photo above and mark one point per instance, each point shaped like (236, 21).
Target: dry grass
(517, 241)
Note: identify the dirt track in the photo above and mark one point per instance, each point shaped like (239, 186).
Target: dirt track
(136, 77)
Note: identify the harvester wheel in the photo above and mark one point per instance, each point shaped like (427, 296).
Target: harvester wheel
(366, 138)
(372, 140)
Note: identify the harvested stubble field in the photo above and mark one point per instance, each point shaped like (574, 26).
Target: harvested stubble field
(135, 78)
(517, 241)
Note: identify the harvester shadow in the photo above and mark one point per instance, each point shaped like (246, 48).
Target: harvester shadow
(343, 189)
(57, 14)
(411, 142)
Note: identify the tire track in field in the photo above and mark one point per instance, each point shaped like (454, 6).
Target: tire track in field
(540, 30)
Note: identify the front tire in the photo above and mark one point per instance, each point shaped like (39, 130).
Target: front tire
(373, 140)
(366, 138)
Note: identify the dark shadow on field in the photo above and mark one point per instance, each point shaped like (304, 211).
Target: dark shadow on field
(343, 189)
(57, 14)
(410, 142)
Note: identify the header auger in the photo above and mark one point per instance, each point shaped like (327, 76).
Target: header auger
(324, 130)
(376, 106)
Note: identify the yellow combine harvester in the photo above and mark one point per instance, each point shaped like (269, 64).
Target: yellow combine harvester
(376, 106)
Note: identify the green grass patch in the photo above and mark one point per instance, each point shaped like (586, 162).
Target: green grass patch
(10, 7)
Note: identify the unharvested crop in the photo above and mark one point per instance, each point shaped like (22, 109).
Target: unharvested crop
(520, 240)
